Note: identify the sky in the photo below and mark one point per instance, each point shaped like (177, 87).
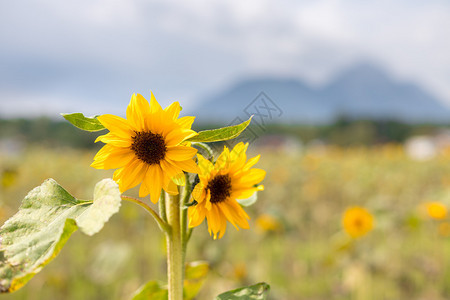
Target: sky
(90, 56)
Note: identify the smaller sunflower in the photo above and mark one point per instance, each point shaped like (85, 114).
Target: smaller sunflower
(148, 147)
(436, 210)
(219, 187)
(357, 221)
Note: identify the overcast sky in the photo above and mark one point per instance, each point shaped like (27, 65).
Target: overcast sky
(91, 55)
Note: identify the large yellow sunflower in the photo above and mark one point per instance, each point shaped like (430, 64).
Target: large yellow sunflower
(230, 178)
(147, 147)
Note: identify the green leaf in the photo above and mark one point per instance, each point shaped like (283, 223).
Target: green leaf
(221, 134)
(46, 219)
(258, 291)
(152, 290)
(249, 201)
(85, 123)
(194, 278)
(106, 203)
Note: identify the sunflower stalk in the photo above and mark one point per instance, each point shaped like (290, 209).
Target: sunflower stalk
(184, 212)
(162, 206)
(175, 267)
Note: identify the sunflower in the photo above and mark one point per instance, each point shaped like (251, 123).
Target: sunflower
(147, 147)
(357, 221)
(220, 184)
(436, 210)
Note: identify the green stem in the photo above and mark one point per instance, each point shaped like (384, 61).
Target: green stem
(163, 225)
(188, 236)
(175, 268)
(162, 206)
(184, 211)
(205, 147)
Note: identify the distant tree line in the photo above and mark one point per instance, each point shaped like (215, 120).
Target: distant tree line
(343, 132)
(46, 132)
(350, 132)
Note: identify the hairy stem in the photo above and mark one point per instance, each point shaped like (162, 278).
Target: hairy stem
(184, 211)
(162, 206)
(163, 225)
(175, 267)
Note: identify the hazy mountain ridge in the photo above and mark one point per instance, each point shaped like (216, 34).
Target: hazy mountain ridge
(363, 91)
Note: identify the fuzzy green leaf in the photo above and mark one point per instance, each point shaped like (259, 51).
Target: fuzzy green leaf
(258, 291)
(46, 219)
(85, 123)
(194, 277)
(220, 134)
(106, 203)
(152, 290)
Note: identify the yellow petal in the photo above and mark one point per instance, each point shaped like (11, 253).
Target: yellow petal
(251, 162)
(133, 174)
(169, 186)
(173, 110)
(118, 174)
(205, 165)
(103, 153)
(229, 213)
(179, 153)
(154, 105)
(154, 182)
(116, 125)
(143, 190)
(222, 161)
(116, 158)
(213, 216)
(114, 140)
(137, 111)
(185, 122)
(176, 136)
(223, 224)
(240, 216)
(199, 193)
(208, 203)
(188, 166)
(250, 178)
(238, 150)
(196, 215)
(175, 173)
(243, 193)
(238, 157)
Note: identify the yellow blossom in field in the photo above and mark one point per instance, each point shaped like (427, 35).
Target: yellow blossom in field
(444, 229)
(221, 184)
(240, 271)
(147, 147)
(357, 221)
(267, 222)
(436, 210)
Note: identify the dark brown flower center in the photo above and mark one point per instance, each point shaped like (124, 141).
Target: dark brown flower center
(149, 147)
(358, 223)
(220, 188)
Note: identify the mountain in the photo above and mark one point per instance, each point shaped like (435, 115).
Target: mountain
(363, 91)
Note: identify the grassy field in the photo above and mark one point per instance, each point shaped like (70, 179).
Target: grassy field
(295, 243)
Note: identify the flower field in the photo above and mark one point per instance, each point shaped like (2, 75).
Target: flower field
(296, 241)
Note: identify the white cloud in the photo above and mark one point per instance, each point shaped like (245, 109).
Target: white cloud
(181, 49)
